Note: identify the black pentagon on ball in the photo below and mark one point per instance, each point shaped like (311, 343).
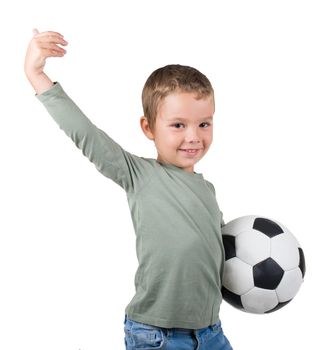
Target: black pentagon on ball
(301, 264)
(267, 274)
(267, 227)
(229, 243)
(232, 298)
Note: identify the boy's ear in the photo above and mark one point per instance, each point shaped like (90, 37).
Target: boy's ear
(146, 129)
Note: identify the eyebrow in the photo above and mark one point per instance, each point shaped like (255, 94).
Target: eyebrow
(172, 119)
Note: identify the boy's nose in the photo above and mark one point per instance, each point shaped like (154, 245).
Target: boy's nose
(192, 136)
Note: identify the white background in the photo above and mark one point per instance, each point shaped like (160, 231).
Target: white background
(67, 245)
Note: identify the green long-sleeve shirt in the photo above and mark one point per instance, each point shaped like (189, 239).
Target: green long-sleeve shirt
(176, 219)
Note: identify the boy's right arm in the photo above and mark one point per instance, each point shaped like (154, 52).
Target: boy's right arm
(109, 158)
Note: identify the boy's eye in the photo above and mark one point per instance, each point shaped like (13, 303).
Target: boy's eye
(205, 125)
(178, 125)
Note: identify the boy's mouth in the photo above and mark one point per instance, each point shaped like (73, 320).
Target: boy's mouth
(190, 151)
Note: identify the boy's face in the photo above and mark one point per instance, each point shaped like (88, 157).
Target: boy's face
(183, 130)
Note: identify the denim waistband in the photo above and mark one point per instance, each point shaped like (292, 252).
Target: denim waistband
(182, 330)
(172, 331)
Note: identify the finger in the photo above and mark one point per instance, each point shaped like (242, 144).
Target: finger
(53, 53)
(54, 39)
(35, 31)
(51, 33)
(53, 47)
(45, 53)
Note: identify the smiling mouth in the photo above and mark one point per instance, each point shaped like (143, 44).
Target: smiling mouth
(190, 150)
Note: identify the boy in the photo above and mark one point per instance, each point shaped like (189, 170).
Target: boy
(174, 210)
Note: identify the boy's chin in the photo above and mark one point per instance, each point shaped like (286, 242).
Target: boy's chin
(188, 166)
(181, 162)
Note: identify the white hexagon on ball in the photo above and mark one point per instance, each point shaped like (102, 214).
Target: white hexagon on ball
(249, 239)
(289, 285)
(237, 276)
(259, 300)
(284, 250)
(235, 227)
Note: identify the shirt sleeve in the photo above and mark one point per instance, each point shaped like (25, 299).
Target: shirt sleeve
(110, 159)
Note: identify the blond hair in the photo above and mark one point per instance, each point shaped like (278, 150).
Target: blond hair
(169, 79)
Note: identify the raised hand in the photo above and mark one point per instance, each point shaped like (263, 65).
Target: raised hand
(42, 45)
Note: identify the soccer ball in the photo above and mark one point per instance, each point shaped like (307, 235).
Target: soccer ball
(264, 264)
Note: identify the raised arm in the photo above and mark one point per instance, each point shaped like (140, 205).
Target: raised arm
(109, 157)
(42, 46)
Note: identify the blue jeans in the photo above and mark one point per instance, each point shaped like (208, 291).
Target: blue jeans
(140, 336)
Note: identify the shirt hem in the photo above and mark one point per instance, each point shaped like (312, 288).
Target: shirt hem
(162, 323)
